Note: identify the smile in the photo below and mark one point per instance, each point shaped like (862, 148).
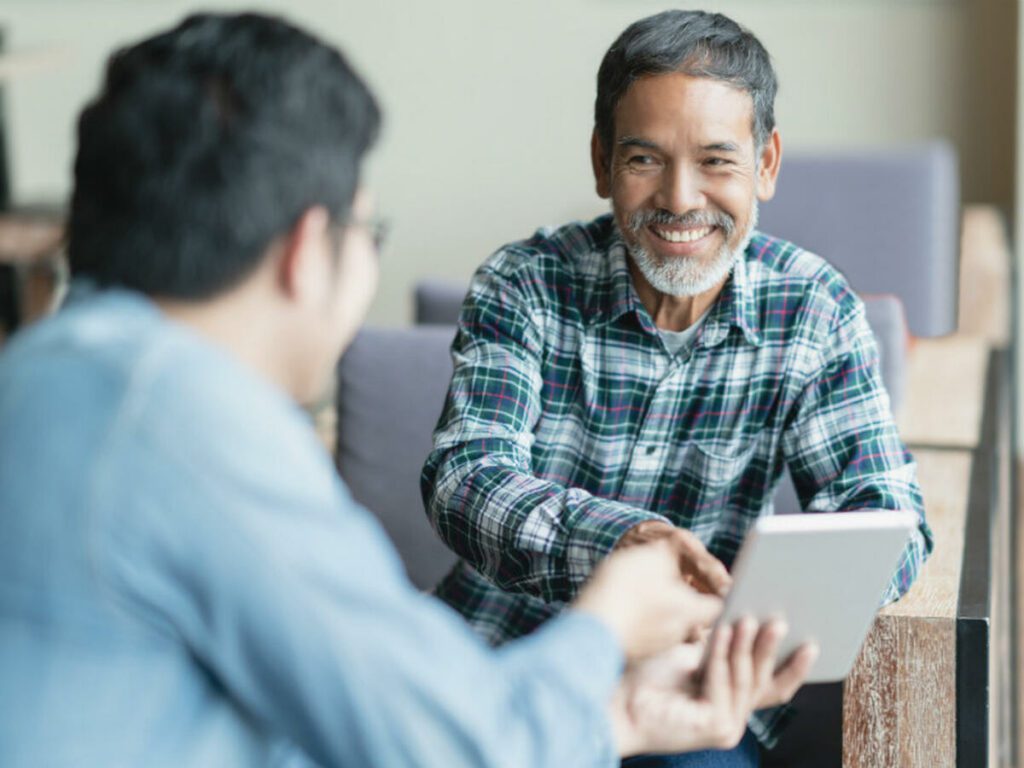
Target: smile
(681, 235)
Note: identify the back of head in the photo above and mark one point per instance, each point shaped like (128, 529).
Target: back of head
(205, 144)
(695, 43)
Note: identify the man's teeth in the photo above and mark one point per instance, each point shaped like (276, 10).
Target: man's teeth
(683, 235)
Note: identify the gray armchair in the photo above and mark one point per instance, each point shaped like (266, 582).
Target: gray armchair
(391, 386)
(888, 218)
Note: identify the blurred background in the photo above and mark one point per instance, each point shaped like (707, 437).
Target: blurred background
(489, 104)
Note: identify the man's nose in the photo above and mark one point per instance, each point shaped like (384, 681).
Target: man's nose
(681, 190)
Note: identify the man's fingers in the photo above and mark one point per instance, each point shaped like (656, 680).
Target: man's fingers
(706, 572)
(700, 611)
(717, 676)
(712, 577)
(740, 658)
(794, 672)
(766, 646)
(701, 570)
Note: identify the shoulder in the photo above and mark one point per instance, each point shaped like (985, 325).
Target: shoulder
(798, 292)
(556, 267)
(137, 393)
(73, 371)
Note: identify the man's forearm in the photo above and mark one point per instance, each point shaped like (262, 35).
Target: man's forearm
(524, 533)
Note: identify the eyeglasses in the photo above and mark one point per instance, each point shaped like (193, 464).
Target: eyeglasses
(376, 227)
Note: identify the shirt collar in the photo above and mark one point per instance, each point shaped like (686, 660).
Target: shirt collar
(622, 296)
(734, 306)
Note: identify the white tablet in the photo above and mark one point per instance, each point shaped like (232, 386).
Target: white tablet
(824, 574)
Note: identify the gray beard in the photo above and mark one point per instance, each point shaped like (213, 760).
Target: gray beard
(683, 276)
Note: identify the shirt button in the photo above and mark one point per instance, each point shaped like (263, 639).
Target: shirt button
(650, 449)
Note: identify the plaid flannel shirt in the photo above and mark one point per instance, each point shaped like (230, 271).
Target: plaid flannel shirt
(568, 422)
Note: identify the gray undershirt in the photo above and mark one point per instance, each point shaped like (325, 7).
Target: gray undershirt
(678, 341)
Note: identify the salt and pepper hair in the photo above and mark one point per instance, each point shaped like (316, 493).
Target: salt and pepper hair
(694, 43)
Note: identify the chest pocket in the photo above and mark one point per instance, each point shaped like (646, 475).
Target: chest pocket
(708, 474)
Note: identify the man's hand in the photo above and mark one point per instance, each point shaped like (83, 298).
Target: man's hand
(639, 594)
(698, 566)
(779, 686)
(669, 704)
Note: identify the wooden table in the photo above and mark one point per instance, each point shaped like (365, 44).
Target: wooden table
(934, 683)
(900, 701)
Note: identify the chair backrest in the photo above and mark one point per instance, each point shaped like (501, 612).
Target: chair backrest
(888, 218)
(391, 387)
(437, 301)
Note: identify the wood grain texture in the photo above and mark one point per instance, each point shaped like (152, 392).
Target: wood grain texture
(899, 702)
(870, 714)
(926, 692)
(945, 391)
(984, 275)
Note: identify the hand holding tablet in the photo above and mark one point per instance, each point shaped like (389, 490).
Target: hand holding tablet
(673, 703)
(824, 575)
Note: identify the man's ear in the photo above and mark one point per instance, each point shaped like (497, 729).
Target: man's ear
(768, 166)
(600, 163)
(305, 252)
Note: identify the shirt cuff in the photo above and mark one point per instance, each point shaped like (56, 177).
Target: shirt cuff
(595, 530)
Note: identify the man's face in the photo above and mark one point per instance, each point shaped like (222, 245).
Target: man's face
(357, 273)
(684, 179)
(349, 278)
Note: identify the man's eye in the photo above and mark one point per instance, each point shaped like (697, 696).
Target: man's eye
(641, 160)
(717, 161)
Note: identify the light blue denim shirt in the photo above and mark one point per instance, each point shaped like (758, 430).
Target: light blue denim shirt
(184, 581)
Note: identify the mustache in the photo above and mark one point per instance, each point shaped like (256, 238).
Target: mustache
(702, 218)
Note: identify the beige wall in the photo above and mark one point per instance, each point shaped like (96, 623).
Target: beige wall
(488, 103)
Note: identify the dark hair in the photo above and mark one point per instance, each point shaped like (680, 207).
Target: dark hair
(207, 142)
(692, 42)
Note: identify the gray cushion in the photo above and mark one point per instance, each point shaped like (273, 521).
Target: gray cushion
(888, 218)
(391, 386)
(438, 301)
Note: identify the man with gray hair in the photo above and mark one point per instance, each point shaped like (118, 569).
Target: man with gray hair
(650, 374)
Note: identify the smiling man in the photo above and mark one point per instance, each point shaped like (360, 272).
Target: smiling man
(650, 374)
